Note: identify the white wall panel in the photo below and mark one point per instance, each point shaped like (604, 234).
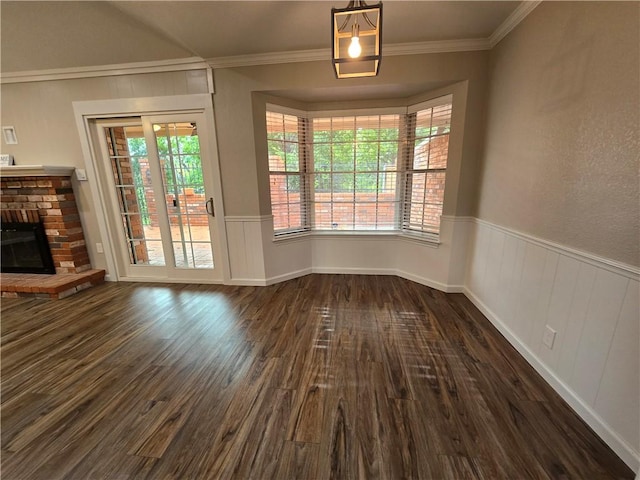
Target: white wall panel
(284, 259)
(478, 260)
(491, 276)
(618, 397)
(563, 290)
(600, 323)
(508, 278)
(357, 254)
(593, 306)
(575, 322)
(257, 259)
(528, 289)
(537, 326)
(244, 240)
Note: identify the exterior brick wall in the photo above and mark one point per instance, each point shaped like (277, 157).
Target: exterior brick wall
(55, 202)
(190, 202)
(127, 199)
(427, 198)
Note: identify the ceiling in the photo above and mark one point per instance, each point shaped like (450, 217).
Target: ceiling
(52, 35)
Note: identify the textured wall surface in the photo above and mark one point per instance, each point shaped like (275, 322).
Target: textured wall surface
(42, 114)
(561, 152)
(242, 140)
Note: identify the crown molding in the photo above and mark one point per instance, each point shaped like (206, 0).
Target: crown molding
(173, 65)
(512, 21)
(197, 63)
(269, 58)
(417, 48)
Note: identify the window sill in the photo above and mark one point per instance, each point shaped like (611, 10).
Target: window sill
(429, 240)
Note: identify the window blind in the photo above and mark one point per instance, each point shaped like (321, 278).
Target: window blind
(354, 168)
(286, 141)
(357, 172)
(425, 163)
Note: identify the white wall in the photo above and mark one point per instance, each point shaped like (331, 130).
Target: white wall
(557, 240)
(42, 114)
(563, 128)
(523, 283)
(256, 259)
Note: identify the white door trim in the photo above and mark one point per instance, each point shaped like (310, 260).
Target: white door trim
(88, 111)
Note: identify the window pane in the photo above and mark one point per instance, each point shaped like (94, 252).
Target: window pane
(322, 182)
(387, 184)
(321, 130)
(322, 157)
(293, 186)
(441, 119)
(322, 211)
(425, 190)
(343, 129)
(285, 179)
(343, 157)
(342, 182)
(292, 162)
(388, 155)
(366, 187)
(278, 190)
(421, 154)
(281, 217)
(342, 216)
(276, 156)
(386, 215)
(415, 214)
(366, 157)
(439, 151)
(432, 215)
(353, 172)
(435, 188)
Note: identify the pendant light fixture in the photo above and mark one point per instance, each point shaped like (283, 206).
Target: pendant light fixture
(357, 39)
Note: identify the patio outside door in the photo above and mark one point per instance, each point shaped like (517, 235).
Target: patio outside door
(162, 209)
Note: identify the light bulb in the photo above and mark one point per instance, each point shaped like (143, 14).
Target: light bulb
(355, 49)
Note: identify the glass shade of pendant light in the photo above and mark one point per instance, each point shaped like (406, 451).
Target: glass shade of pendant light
(357, 39)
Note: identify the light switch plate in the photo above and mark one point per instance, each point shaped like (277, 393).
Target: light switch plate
(81, 174)
(9, 134)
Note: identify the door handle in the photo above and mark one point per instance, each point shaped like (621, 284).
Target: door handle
(209, 206)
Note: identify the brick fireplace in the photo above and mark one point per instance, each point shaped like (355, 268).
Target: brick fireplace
(46, 193)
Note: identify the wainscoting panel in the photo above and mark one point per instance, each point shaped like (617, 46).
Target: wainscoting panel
(244, 239)
(524, 283)
(256, 259)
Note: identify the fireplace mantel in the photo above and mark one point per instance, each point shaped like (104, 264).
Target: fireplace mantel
(36, 171)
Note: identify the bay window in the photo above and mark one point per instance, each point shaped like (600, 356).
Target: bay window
(373, 172)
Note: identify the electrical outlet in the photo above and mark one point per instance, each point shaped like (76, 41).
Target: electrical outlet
(549, 337)
(99, 248)
(81, 174)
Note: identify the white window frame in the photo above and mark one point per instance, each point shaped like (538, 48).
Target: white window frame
(420, 236)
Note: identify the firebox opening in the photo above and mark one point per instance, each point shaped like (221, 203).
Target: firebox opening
(25, 249)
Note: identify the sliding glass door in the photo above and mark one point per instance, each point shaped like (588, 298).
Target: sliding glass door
(161, 194)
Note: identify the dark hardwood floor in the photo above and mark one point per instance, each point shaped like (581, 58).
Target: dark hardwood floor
(325, 376)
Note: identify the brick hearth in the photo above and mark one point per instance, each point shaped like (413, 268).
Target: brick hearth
(48, 286)
(37, 193)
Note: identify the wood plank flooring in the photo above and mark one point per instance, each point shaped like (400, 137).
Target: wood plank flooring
(322, 377)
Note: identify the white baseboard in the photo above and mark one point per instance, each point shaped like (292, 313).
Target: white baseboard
(430, 283)
(248, 282)
(354, 271)
(288, 276)
(584, 411)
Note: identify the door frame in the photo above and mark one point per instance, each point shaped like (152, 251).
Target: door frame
(88, 112)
